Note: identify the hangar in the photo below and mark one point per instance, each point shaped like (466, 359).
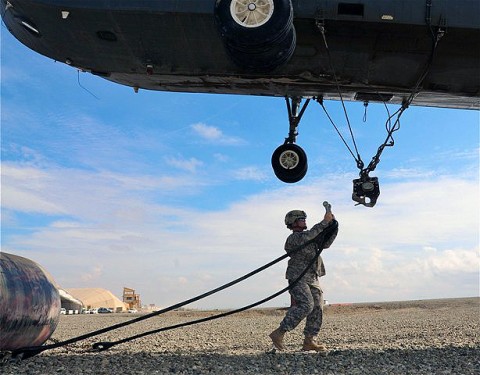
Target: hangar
(69, 302)
(97, 297)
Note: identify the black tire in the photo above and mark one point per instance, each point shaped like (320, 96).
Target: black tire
(291, 177)
(271, 28)
(265, 58)
(289, 163)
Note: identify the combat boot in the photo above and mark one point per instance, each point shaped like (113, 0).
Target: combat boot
(277, 338)
(310, 344)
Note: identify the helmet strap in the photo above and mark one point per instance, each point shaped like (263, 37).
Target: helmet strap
(297, 228)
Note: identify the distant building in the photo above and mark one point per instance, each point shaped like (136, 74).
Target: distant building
(131, 299)
(69, 302)
(97, 297)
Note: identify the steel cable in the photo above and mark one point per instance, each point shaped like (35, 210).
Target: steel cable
(389, 141)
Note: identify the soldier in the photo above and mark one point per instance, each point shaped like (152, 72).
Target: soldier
(306, 294)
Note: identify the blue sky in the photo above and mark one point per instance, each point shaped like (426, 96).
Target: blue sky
(173, 194)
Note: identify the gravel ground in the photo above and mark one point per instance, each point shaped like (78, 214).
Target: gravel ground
(414, 337)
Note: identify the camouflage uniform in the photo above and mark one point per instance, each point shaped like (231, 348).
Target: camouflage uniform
(307, 296)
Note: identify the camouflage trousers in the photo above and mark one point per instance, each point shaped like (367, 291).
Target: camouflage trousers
(307, 303)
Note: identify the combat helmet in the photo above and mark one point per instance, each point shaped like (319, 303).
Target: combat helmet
(293, 216)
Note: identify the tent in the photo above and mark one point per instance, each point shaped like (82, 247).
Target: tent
(97, 297)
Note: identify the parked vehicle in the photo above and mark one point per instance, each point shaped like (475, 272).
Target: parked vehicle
(63, 310)
(104, 310)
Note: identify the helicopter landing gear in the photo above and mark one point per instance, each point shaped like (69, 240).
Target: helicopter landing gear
(289, 161)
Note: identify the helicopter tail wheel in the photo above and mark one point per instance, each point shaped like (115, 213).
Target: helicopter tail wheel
(289, 163)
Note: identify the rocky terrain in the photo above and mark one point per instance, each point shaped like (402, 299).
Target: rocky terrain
(413, 337)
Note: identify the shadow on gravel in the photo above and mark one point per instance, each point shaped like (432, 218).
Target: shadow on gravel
(448, 360)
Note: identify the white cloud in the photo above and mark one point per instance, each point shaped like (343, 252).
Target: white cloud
(221, 157)
(159, 183)
(29, 202)
(458, 155)
(20, 191)
(25, 153)
(382, 274)
(208, 132)
(452, 260)
(420, 241)
(185, 164)
(215, 135)
(251, 173)
(94, 275)
(409, 173)
(64, 224)
(86, 195)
